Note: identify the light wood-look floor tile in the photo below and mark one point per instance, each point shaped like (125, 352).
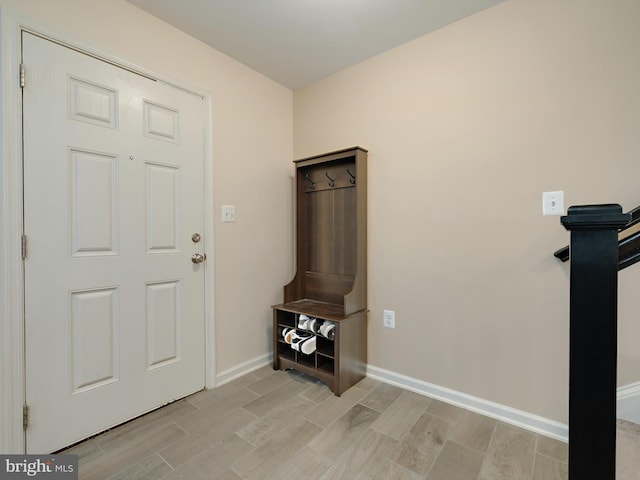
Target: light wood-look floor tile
(263, 428)
(284, 425)
(344, 431)
(390, 470)
(268, 383)
(401, 415)
(207, 417)
(474, 431)
(363, 458)
(86, 451)
(213, 462)
(264, 460)
(306, 463)
(332, 408)
(547, 468)
(368, 383)
(130, 453)
(456, 462)
(422, 445)
(207, 397)
(220, 428)
(510, 455)
(275, 398)
(161, 417)
(149, 469)
(628, 450)
(451, 413)
(552, 448)
(317, 393)
(382, 397)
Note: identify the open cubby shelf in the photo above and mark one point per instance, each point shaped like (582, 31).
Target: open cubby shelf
(331, 269)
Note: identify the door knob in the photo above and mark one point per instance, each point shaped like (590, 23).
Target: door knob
(197, 258)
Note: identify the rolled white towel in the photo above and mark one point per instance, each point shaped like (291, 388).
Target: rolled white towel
(308, 346)
(297, 340)
(287, 333)
(327, 330)
(303, 321)
(313, 324)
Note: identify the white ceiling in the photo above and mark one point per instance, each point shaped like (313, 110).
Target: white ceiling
(296, 42)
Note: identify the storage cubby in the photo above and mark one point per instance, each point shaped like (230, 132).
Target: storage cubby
(330, 283)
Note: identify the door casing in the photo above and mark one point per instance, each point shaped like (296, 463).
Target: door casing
(12, 373)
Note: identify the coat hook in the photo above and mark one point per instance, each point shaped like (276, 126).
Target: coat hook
(311, 182)
(352, 180)
(332, 182)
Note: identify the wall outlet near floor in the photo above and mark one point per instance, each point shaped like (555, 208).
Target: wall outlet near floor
(389, 318)
(228, 213)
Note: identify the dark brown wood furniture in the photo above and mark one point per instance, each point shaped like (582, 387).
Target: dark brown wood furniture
(331, 269)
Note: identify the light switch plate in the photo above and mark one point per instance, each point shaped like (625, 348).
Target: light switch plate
(228, 213)
(553, 203)
(389, 318)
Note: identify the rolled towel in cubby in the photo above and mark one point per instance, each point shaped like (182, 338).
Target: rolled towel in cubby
(297, 340)
(327, 330)
(313, 324)
(282, 331)
(303, 321)
(287, 333)
(308, 346)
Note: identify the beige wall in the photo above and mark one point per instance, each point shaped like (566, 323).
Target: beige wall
(252, 153)
(466, 128)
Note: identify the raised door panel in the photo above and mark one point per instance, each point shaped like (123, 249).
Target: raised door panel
(92, 103)
(93, 203)
(161, 122)
(94, 338)
(163, 323)
(162, 208)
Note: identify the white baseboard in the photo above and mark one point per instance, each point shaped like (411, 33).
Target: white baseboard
(519, 418)
(628, 405)
(244, 368)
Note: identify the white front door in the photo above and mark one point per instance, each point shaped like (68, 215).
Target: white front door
(113, 201)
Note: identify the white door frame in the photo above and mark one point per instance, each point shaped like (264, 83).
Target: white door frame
(12, 341)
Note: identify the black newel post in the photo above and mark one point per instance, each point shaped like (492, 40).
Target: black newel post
(593, 339)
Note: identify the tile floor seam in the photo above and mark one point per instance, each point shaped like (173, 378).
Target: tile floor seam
(180, 428)
(535, 452)
(460, 444)
(550, 457)
(167, 462)
(230, 467)
(99, 447)
(533, 456)
(493, 436)
(317, 424)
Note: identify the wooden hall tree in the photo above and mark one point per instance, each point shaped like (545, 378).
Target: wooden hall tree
(321, 328)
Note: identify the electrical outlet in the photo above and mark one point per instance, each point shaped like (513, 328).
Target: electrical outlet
(552, 203)
(389, 318)
(228, 213)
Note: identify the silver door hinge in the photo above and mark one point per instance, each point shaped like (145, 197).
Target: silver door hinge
(25, 416)
(24, 246)
(22, 81)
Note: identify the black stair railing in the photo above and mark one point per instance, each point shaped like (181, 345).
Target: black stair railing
(628, 243)
(593, 339)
